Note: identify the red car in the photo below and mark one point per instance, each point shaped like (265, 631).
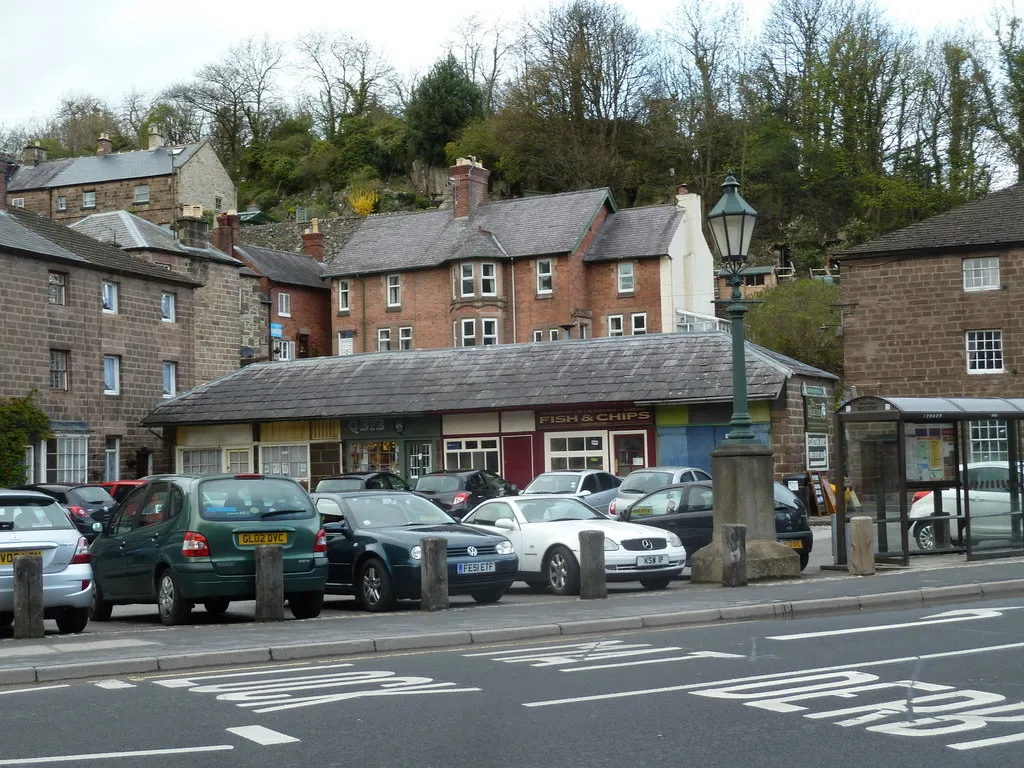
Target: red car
(120, 488)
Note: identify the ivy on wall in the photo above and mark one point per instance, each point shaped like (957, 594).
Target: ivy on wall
(22, 422)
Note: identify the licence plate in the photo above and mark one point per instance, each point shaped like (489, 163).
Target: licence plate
(475, 567)
(794, 544)
(652, 560)
(7, 558)
(251, 539)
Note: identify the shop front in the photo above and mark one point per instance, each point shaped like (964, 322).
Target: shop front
(405, 446)
(617, 440)
(688, 434)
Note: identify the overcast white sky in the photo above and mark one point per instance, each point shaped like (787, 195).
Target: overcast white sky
(113, 46)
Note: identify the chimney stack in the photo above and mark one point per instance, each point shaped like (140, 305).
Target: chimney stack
(313, 241)
(3, 184)
(227, 233)
(104, 146)
(33, 155)
(193, 231)
(470, 178)
(156, 139)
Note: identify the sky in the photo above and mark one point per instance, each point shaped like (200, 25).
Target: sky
(111, 47)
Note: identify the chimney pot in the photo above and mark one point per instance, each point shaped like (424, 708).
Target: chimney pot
(104, 145)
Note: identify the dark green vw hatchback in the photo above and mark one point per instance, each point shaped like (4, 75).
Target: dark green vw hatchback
(179, 540)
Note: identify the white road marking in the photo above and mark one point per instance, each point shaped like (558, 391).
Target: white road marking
(188, 682)
(112, 755)
(775, 675)
(113, 685)
(694, 655)
(261, 735)
(592, 646)
(965, 614)
(995, 741)
(36, 688)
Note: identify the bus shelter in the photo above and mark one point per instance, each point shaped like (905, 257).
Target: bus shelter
(937, 475)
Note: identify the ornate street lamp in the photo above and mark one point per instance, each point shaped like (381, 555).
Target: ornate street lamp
(732, 226)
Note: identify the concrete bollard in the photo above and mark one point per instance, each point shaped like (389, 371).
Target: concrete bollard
(434, 573)
(862, 546)
(593, 585)
(28, 596)
(269, 583)
(734, 555)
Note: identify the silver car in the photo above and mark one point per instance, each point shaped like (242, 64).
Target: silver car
(640, 482)
(32, 522)
(592, 486)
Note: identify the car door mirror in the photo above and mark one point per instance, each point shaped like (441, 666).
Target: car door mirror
(97, 527)
(337, 529)
(505, 524)
(584, 493)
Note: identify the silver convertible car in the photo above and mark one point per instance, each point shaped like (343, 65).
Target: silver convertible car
(34, 523)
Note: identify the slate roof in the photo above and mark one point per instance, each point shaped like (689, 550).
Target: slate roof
(994, 220)
(35, 236)
(658, 368)
(284, 266)
(636, 232)
(130, 232)
(96, 169)
(525, 226)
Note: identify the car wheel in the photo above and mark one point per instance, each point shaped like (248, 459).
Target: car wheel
(100, 610)
(174, 609)
(492, 595)
(656, 583)
(71, 621)
(6, 619)
(306, 605)
(924, 535)
(374, 587)
(537, 586)
(216, 606)
(804, 559)
(563, 572)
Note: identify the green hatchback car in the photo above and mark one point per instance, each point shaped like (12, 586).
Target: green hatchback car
(179, 540)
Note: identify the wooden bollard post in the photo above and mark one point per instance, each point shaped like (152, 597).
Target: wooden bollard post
(734, 555)
(28, 596)
(593, 585)
(269, 583)
(862, 546)
(434, 573)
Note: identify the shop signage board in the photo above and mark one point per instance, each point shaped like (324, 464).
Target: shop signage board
(595, 418)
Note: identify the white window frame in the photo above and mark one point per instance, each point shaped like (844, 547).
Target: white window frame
(109, 297)
(62, 203)
(475, 450)
(57, 285)
(170, 382)
(202, 465)
(584, 330)
(30, 464)
(113, 363)
(626, 279)
(545, 277)
(344, 296)
(538, 335)
(168, 307)
(470, 323)
(550, 454)
(284, 305)
(351, 343)
(467, 280)
(554, 334)
(488, 279)
(218, 203)
(89, 199)
(71, 459)
(112, 459)
(383, 339)
(978, 345)
(394, 288)
(405, 337)
(989, 441)
(641, 328)
(296, 473)
(17, 202)
(981, 274)
(489, 331)
(616, 325)
(56, 356)
(284, 350)
(141, 193)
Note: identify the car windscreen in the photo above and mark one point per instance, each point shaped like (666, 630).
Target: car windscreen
(31, 514)
(549, 510)
(645, 482)
(438, 484)
(90, 494)
(333, 485)
(386, 510)
(253, 499)
(785, 497)
(553, 484)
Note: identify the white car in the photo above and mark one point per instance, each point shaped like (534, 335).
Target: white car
(545, 533)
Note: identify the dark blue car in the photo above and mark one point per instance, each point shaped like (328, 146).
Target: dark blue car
(373, 549)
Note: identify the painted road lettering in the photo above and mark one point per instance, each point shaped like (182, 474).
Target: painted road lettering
(581, 657)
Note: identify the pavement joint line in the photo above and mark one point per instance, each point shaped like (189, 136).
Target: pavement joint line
(779, 609)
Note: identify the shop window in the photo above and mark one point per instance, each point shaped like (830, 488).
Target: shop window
(201, 461)
(471, 454)
(287, 460)
(372, 456)
(576, 451)
(237, 461)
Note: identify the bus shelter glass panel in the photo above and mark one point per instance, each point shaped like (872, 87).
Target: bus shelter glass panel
(994, 495)
(873, 464)
(936, 516)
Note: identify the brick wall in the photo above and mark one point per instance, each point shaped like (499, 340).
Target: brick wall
(603, 287)
(110, 196)
(904, 324)
(310, 313)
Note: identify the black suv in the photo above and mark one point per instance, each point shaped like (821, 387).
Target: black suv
(458, 491)
(359, 481)
(87, 504)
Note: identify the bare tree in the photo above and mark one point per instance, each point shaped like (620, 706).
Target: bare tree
(484, 50)
(1004, 86)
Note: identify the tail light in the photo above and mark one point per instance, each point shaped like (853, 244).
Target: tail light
(920, 495)
(320, 545)
(195, 545)
(460, 498)
(611, 508)
(81, 552)
(79, 511)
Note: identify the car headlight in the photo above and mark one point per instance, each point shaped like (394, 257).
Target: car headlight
(505, 548)
(674, 541)
(609, 545)
(416, 552)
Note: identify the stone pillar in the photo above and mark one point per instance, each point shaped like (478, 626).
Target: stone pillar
(734, 555)
(269, 582)
(862, 546)
(593, 585)
(434, 573)
(28, 596)
(743, 480)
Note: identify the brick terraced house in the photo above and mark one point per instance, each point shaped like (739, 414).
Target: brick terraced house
(541, 268)
(152, 183)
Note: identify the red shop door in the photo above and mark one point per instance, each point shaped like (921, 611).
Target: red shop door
(629, 452)
(517, 452)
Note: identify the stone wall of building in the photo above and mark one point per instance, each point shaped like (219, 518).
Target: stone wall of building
(110, 196)
(788, 436)
(202, 180)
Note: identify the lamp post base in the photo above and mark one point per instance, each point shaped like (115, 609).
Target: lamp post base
(744, 496)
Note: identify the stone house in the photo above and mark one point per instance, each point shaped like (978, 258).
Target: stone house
(542, 268)
(756, 280)
(152, 183)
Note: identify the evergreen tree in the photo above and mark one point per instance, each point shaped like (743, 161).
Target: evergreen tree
(440, 107)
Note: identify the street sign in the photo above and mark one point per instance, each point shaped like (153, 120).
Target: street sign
(817, 451)
(276, 330)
